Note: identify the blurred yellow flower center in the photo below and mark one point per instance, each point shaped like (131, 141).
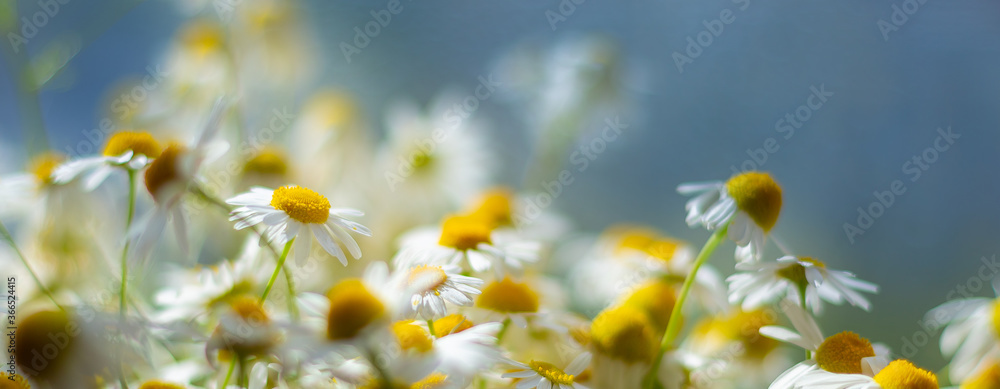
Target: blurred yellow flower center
(267, 162)
(464, 232)
(996, 316)
(988, 378)
(554, 374)
(842, 353)
(160, 385)
(17, 382)
(352, 308)
(202, 38)
(451, 324)
(420, 159)
(508, 296)
(43, 165)
(250, 309)
(301, 204)
(646, 241)
(743, 327)
(138, 142)
(433, 381)
(36, 334)
(901, 374)
(624, 333)
(428, 278)
(412, 337)
(758, 195)
(332, 109)
(656, 298)
(495, 208)
(163, 169)
(796, 272)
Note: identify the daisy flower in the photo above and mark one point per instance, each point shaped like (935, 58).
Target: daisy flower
(749, 204)
(845, 353)
(127, 149)
(466, 239)
(514, 301)
(291, 210)
(761, 283)
(624, 343)
(970, 335)
(544, 375)
(168, 178)
(465, 348)
(898, 374)
(433, 286)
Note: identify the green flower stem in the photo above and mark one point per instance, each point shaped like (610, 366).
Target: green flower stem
(277, 269)
(674, 325)
(229, 374)
(10, 240)
(503, 329)
(430, 327)
(802, 300)
(122, 307)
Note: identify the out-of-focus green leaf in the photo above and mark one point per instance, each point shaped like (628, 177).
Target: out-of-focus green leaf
(52, 59)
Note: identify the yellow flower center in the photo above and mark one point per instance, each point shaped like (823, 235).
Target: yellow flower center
(301, 204)
(332, 109)
(352, 308)
(250, 309)
(267, 162)
(624, 333)
(464, 232)
(433, 381)
(656, 298)
(508, 296)
(988, 378)
(554, 374)
(420, 159)
(202, 37)
(495, 208)
(160, 385)
(996, 316)
(451, 324)
(43, 165)
(647, 241)
(163, 169)
(758, 195)
(17, 382)
(428, 278)
(796, 272)
(842, 353)
(46, 333)
(138, 142)
(901, 374)
(412, 337)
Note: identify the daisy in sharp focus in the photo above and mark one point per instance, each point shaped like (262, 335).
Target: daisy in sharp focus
(544, 375)
(291, 210)
(433, 286)
(970, 336)
(465, 239)
(844, 353)
(749, 204)
(761, 283)
(127, 150)
(898, 374)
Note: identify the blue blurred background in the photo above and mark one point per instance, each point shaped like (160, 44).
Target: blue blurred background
(892, 89)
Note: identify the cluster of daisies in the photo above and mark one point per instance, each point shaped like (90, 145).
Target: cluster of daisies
(162, 261)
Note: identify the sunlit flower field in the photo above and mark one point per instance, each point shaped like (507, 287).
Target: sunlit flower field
(221, 228)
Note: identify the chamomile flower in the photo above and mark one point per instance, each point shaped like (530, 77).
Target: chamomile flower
(465, 240)
(986, 378)
(898, 374)
(749, 204)
(844, 353)
(623, 341)
(760, 283)
(291, 210)
(168, 178)
(245, 329)
(544, 375)
(127, 149)
(433, 286)
(465, 348)
(512, 300)
(970, 336)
